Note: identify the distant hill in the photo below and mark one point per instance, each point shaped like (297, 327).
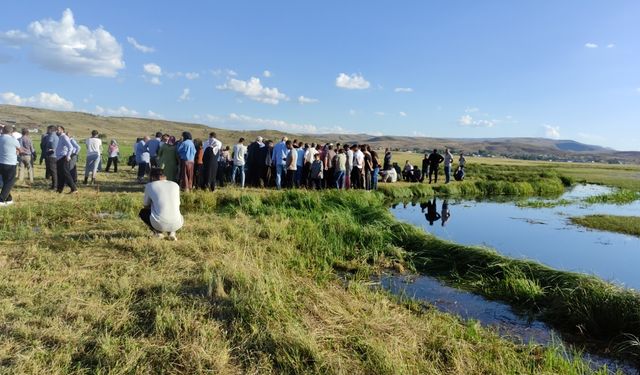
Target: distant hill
(126, 129)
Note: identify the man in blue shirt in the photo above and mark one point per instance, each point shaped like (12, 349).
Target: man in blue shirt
(187, 154)
(143, 157)
(279, 159)
(63, 160)
(154, 145)
(49, 150)
(9, 148)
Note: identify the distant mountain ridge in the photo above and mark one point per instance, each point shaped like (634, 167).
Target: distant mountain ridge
(126, 129)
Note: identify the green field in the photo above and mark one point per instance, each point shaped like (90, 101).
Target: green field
(268, 282)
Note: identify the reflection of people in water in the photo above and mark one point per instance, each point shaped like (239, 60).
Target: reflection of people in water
(445, 212)
(432, 212)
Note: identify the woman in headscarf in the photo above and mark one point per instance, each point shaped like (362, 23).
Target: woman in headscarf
(187, 154)
(113, 152)
(168, 159)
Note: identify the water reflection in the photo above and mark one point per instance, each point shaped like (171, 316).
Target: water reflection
(542, 234)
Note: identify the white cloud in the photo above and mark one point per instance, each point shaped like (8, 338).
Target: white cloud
(184, 96)
(591, 45)
(153, 69)
(378, 113)
(152, 114)
(226, 72)
(467, 120)
(403, 89)
(611, 45)
(352, 82)
(191, 75)
(471, 110)
(266, 74)
(403, 114)
(551, 131)
(66, 47)
(120, 111)
(254, 90)
(305, 100)
(255, 123)
(43, 99)
(377, 134)
(418, 134)
(155, 81)
(138, 46)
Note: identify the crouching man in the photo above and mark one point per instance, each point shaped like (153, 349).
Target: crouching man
(161, 210)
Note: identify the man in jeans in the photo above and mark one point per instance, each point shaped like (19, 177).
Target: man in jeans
(9, 149)
(26, 155)
(279, 158)
(239, 151)
(64, 151)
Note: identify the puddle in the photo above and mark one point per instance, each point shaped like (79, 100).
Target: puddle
(507, 323)
(542, 234)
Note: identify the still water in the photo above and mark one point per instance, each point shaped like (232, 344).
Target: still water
(542, 234)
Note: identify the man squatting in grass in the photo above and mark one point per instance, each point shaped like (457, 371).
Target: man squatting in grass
(161, 202)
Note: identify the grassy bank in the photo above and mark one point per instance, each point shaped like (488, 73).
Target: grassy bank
(619, 224)
(251, 287)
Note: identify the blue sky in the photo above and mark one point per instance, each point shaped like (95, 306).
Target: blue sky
(558, 69)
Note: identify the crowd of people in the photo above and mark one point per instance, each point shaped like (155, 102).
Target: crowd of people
(197, 164)
(173, 165)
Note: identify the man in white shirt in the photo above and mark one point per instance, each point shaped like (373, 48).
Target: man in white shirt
(161, 202)
(239, 151)
(94, 150)
(357, 173)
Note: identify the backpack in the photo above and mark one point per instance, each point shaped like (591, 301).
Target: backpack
(132, 160)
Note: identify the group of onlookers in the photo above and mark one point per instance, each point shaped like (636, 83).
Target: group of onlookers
(285, 164)
(431, 165)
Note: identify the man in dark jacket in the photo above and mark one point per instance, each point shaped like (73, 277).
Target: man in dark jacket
(434, 160)
(253, 162)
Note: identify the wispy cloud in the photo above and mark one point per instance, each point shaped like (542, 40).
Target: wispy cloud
(467, 120)
(403, 114)
(403, 89)
(551, 131)
(591, 45)
(185, 95)
(305, 100)
(138, 46)
(266, 74)
(153, 69)
(611, 45)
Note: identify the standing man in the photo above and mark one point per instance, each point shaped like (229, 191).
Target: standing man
(161, 202)
(73, 165)
(94, 151)
(253, 162)
(386, 165)
(143, 158)
(329, 168)
(239, 151)
(50, 147)
(63, 162)
(448, 160)
(425, 166)
(300, 163)
(212, 149)
(347, 178)
(279, 159)
(434, 160)
(26, 156)
(291, 165)
(154, 145)
(187, 155)
(357, 173)
(340, 166)
(9, 149)
(309, 157)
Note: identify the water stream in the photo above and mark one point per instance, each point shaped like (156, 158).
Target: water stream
(542, 234)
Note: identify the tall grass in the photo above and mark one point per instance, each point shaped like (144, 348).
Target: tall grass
(250, 287)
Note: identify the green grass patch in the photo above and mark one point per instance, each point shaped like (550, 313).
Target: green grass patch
(619, 224)
(622, 196)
